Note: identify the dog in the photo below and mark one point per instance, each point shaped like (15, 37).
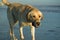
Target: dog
(26, 15)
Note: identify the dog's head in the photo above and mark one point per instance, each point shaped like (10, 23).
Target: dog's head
(35, 16)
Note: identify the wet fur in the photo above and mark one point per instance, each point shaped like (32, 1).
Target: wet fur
(23, 14)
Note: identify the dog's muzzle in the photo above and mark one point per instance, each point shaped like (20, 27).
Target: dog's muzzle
(36, 24)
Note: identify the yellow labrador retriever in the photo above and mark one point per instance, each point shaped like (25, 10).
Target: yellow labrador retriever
(26, 15)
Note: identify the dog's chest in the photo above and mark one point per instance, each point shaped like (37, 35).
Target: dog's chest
(26, 24)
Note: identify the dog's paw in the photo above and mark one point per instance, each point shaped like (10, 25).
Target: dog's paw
(22, 37)
(15, 38)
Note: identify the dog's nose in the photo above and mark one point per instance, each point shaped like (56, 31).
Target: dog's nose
(38, 23)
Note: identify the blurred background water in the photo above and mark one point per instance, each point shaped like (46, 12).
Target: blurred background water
(49, 29)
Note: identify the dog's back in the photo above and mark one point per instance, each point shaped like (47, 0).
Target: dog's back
(15, 10)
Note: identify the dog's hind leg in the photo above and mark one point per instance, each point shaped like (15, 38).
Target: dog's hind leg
(11, 22)
(12, 36)
(11, 33)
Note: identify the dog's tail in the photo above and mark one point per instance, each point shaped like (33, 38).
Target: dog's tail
(6, 2)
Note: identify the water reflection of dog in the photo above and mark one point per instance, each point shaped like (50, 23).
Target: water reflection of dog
(26, 15)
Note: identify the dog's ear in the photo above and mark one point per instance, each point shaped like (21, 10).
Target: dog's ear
(28, 10)
(42, 17)
(29, 16)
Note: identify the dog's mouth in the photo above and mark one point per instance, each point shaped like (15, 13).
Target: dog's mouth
(36, 24)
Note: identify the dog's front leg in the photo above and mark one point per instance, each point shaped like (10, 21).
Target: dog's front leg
(33, 32)
(21, 33)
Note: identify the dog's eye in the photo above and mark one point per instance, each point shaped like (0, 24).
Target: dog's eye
(34, 16)
(39, 16)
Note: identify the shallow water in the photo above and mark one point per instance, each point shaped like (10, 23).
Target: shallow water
(49, 29)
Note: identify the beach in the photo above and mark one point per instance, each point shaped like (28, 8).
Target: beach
(48, 30)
